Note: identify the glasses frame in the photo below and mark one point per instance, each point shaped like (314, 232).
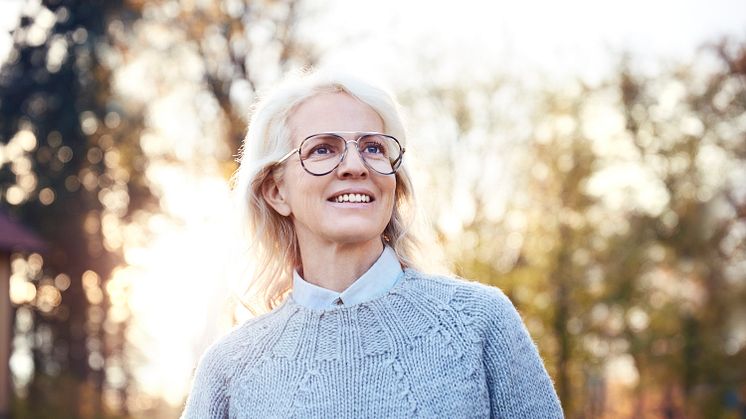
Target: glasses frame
(394, 165)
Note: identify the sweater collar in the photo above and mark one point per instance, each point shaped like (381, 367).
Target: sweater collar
(377, 280)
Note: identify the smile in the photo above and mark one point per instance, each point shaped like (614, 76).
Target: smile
(352, 197)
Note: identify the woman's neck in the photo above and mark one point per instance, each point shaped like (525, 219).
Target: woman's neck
(336, 266)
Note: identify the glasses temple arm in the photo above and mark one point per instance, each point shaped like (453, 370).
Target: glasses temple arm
(287, 156)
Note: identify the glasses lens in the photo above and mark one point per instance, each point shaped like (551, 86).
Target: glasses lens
(321, 153)
(381, 152)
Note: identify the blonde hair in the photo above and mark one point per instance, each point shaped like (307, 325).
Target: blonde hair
(269, 236)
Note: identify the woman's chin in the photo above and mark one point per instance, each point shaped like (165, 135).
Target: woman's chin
(352, 238)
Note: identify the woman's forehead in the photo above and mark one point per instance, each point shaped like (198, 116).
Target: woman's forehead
(333, 112)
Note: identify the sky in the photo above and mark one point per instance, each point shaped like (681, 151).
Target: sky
(571, 37)
(560, 38)
(538, 39)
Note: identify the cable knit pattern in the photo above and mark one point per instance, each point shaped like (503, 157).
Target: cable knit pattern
(430, 347)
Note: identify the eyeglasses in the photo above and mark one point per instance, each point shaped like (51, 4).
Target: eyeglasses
(321, 153)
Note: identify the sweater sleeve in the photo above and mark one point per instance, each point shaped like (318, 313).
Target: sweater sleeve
(519, 385)
(208, 398)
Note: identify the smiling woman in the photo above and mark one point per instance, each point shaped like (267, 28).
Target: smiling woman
(281, 157)
(362, 332)
(347, 232)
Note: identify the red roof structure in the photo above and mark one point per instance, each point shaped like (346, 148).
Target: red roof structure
(16, 237)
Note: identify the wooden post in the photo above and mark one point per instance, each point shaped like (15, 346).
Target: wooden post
(6, 332)
(14, 237)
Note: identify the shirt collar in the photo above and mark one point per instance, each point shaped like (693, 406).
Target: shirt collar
(378, 280)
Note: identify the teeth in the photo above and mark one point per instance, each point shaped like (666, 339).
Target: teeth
(352, 197)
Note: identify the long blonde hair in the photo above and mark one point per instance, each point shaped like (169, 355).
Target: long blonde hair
(269, 237)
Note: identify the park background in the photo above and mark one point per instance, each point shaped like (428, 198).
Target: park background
(587, 157)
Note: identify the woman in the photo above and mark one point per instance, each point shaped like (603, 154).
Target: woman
(363, 333)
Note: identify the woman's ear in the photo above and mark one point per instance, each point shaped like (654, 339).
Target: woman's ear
(274, 195)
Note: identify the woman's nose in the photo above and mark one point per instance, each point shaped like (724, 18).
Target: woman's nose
(352, 164)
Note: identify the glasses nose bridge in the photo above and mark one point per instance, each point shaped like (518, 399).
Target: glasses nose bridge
(357, 150)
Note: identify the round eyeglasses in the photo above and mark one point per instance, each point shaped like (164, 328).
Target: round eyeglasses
(321, 153)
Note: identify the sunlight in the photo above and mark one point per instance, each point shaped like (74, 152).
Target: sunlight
(175, 294)
(181, 279)
(178, 284)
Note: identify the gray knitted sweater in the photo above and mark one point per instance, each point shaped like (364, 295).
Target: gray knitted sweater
(430, 347)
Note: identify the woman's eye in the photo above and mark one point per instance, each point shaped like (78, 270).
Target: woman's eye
(322, 149)
(373, 148)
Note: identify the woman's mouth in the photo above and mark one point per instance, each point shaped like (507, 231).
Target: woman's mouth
(352, 198)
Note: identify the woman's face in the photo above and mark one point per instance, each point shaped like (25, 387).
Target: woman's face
(311, 201)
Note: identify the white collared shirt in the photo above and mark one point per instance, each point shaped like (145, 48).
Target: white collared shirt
(379, 279)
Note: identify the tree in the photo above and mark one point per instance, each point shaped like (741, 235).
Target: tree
(618, 241)
(76, 171)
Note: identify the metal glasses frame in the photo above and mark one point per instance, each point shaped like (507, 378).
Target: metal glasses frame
(394, 165)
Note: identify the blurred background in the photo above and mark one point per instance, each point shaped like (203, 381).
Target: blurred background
(587, 157)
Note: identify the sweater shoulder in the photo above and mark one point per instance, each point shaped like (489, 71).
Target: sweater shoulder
(476, 302)
(459, 291)
(241, 340)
